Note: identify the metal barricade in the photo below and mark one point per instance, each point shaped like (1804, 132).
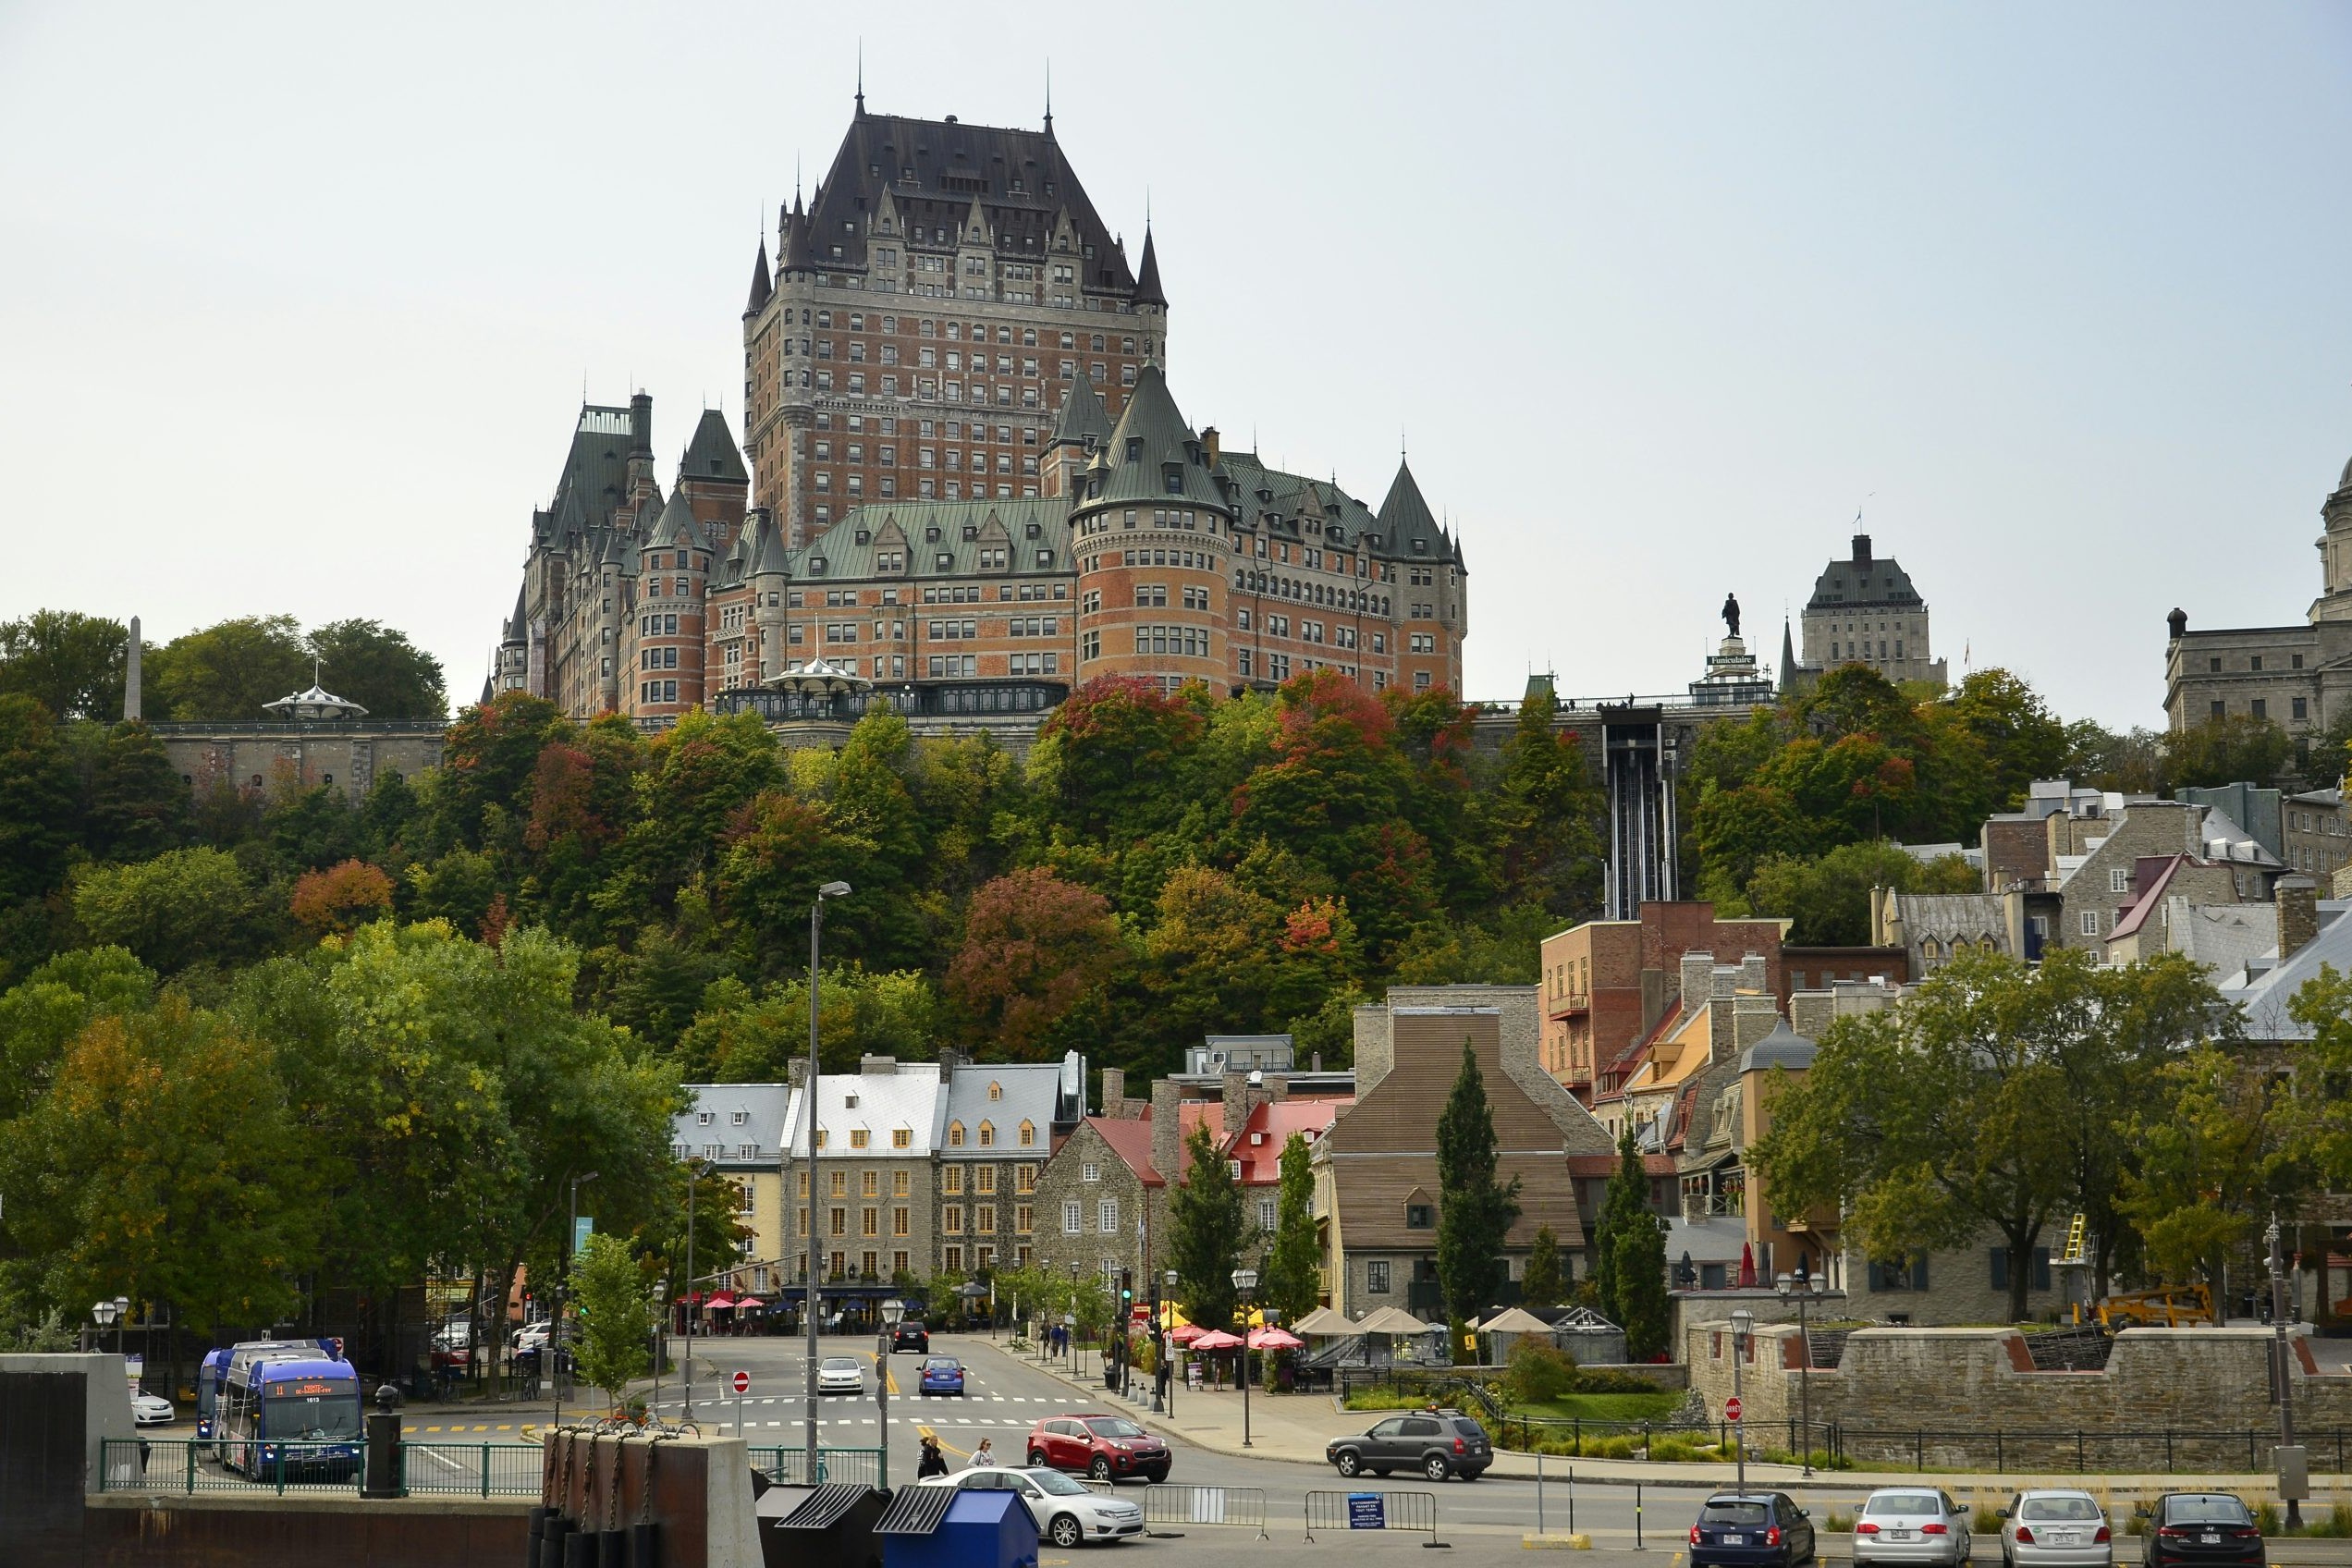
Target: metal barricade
(472, 1469)
(177, 1464)
(1415, 1511)
(785, 1465)
(1165, 1504)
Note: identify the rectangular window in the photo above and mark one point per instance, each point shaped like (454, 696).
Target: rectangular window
(1071, 1220)
(2091, 923)
(2260, 707)
(1090, 1171)
(984, 1218)
(1106, 1216)
(1376, 1279)
(952, 1220)
(900, 1221)
(2119, 880)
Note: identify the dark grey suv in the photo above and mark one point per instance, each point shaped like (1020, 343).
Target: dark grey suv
(1437, 1442)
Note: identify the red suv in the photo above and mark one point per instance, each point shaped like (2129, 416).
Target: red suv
(1107, 1448)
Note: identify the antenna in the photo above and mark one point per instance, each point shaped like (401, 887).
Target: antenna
(1049, 95)
(861, 74)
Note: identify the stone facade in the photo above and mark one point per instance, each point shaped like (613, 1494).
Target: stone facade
(2191, 1399)
(1864, 611)
(348, 754)
(1102, 1171)
(877, 1174)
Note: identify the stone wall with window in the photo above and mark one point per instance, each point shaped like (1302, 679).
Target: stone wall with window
(1087, 1205)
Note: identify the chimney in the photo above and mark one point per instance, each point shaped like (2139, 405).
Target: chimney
(1752, 1019)
(1752, 976)
(1168, 1137)
(1697, 975)
(1861, 549)
(1811, 1012)
(2298, 914)
(881, 1065)
(1213, 444)
(1114, 1091)
(131, 676)
(1314, 1062)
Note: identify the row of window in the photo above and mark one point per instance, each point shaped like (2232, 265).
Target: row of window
(2253, 663)
(954, 331)
(2260, 708)
(1183, 642)
(1106, 1217)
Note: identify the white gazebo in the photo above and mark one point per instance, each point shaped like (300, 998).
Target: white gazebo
(315, 705)
(820, 681)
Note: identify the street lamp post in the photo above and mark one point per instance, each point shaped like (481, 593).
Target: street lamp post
(1077, 1339)
(1168, 1281)
(104, 1313)
(695, 1170)
(2286, 1388)
(563, 1299)
(661, 1337)
(1245, 1285)
(893, 1313)
(1742, 1322)
(817, 929)
(1802, 1287)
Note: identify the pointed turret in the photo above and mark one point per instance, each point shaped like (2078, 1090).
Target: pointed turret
(712, 456)
(1787, 686)
(762, 289)
(1405, 517)
(1154, 456)
(677, 527)
(1147, 290)
(769, 557)
(1083, 415)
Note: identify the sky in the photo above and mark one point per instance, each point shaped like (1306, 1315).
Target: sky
(298, 303)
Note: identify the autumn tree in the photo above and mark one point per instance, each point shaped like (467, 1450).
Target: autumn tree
(331, 902)
(1034, 948)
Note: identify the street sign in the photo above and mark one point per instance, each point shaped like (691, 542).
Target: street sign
(1731, 1406)
(1368, 1511)
(742, 1384)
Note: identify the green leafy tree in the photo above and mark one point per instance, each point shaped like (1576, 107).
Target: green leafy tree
(1625, 1207)
(1828, 895)
(2212, 1162)
(230, 670)
(1293, 1282)
(369, 663)
(1541, 1285)
(2226, 749)
(2022, 740)
(137, 803)
(69, 663)
(1210, 1231)
(1544, 813)
(37, 807)
(616, 1329)
(181, 908)
(1476, 1207)
(741, 1036)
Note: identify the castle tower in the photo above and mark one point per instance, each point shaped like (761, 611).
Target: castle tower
(672, 565)
(2334, 602)
(768, 574)
(1079, 431)
(1432, 591)
(1149, 527)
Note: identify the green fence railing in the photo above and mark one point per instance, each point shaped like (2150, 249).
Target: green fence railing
(786, 1467)
(183, 1465)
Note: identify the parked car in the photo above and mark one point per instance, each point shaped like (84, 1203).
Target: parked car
(1751, 1530)
(2202, 1529)
(533, 1336)
(940, 1375)
(2055, 1529)
(1911, 1525)
(1108, 1448)
(911, 1335)
(1438, 1442)
(152, 1410)
(1068, 1512)
(840, 1375)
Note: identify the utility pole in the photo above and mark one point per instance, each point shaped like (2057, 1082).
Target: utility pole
(2292, 1473)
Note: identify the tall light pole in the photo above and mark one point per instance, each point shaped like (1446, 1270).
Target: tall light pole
(694, 1171)
(563, 1298)
(1742, 1322)
(1168, 1279)
(1801, 1287)
(2278, 1344)
(1245, 1285)
(817, 929)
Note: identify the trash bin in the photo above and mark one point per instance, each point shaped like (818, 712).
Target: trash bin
(958, 1527)
(823, 1526)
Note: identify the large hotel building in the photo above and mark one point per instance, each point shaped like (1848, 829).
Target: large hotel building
(970, 489)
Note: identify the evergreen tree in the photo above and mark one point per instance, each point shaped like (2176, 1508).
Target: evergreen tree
(1475, 1210)
(1210, 1232)
(1625, 1205)
(1542, 1286)
(1640, 1254)
(1294, 1285)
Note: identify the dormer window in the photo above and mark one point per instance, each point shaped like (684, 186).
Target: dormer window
(988, 1135)
(1420, 1217)
(816, 566)
(740, 1117)
(702, 1119)
(1173, 475)
(1134, 448)
(996, 1090)
(955, 1134)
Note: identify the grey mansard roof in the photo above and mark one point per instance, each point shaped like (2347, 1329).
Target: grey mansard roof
(849, 558)
(1083, 414)
(712, 454)
(1865, 580)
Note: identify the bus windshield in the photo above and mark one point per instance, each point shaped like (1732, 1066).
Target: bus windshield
(311, 1409)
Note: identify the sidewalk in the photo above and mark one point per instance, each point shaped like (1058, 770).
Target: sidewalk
(1296, 1427)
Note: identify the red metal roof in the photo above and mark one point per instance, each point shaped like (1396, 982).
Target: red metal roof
(1262, 1162)
(1130, 1138)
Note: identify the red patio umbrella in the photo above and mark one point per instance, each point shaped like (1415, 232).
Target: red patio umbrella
(720, 1304)
(1186, 1333)
(1274, 1339)
(750, 1302)
(1218, 1339)
(1747, 1267)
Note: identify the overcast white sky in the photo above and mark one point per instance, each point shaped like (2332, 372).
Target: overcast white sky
(296, 301)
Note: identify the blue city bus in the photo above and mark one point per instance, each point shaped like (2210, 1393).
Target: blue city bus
(298, 1416)
(214, 1374)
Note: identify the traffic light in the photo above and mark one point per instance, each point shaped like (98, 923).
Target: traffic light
(1126, 1289)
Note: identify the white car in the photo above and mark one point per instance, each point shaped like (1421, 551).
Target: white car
(1068, 1512)
(152, 1410)
(531, 1336)
(840, 1375)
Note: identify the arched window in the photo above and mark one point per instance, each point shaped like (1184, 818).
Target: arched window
(955, 1134)
(996, 1090)
(988, 1135)
(1028, 1134)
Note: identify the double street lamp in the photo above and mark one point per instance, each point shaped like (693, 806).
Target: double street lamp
(110, 1314)
(1802, 1287)
(695, 1170)
(817, 929)
(1167, 1371)
(1245, 1286)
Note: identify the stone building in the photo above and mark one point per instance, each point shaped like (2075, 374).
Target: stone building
(875, 1134)
(999, 1122)
(1101, 1203)
(1607, 983)
(970, 489)
(1864, 610)
(2298, 676)
(738, 1131)
(1376, 1194)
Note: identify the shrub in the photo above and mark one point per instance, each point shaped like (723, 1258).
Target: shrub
(1539, 1372)
(1986, 1519)
(1838, 1523)
(2266, 1518)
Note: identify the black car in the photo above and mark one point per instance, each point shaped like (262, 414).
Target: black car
(1438, 1442)
(1750, 1530)
(911, 1335)
(2201, 1530)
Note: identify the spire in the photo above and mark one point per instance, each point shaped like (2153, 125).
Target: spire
(761, 288)
(1050, 96)
(1147, 289)
(861, 79)
(1787, 684)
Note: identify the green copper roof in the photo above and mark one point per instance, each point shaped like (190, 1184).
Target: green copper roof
(1154, 456)
(712, 453)
(1083, 414)
(1001, 524)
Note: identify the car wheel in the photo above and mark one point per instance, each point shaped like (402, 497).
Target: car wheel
(1436, 1467)
(1065, 1530)
(1100, 1469)
(1036, 1459)
(1347, 1465)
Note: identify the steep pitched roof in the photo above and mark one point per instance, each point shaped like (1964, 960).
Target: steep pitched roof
(1865, 580)
(769, 556)
(1082, 415)
(1406, 518)
(712, 454)
(677, 526)
(1147, 289)
(933, 174)
(1153, 443)
(762, 1110)
(1131, 1139)
(762, 289)
(594, 480)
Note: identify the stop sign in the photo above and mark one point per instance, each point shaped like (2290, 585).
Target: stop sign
(743, 1381)
(1731, 1405)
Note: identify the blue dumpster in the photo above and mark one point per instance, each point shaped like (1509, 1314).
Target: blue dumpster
(958, 1527)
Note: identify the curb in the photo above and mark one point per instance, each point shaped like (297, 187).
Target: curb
(1532, 1543)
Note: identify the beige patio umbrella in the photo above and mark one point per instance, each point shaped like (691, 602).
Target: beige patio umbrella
(1515, 1321)
(1392, 1321)
(1327, 1321)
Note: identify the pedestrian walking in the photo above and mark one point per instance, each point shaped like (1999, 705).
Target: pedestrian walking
(932, 1461)
(984, 1456)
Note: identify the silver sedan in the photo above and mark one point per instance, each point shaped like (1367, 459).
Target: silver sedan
(2057, 1528)
(840, 1375)
(1917, 1526)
